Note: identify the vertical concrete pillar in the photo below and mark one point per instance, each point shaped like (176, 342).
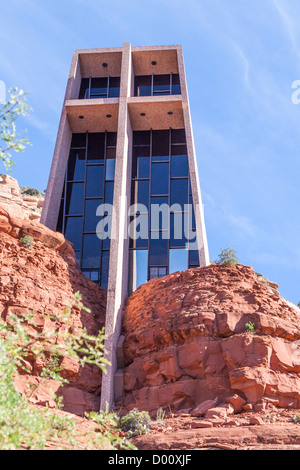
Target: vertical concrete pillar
(194, 177)
(118, 265)
(61, 152)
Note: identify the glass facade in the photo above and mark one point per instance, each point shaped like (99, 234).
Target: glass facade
(103, 87)
(157, 85)
(89, 183)
(163, 230)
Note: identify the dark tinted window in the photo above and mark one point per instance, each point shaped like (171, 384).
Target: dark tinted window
(94, 181)
(110, 169)
(148, 85)
(76, 165)
(109, 192)
(140, 193)
(141, 162)
(84, 89)
(111, 139)
(159, 178)
(194, 258)
(114, 87)
(91, 251)
(104, 269)
(161, 85)
(158, 254)
(141, 138)
(98, 88)
(157, 272)
(143, 85)
(96, 147)
(179, 192)
(90, 218)
(73, 229)
(179, 166)
(78, 140)
(178, 136)
(74, 198)
(160, 144)
(176, 90)
(178, 229)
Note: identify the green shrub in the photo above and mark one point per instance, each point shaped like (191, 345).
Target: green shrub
(135, 422)
(27, 241)
(29, 191)
(24, 427)
(227, 257)
(250, 327)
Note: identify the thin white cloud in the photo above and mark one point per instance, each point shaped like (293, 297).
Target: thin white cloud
(289, 24)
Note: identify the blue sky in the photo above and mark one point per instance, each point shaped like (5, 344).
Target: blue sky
(241, 59)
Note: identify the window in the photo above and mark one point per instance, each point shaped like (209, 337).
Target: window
(74, 200)
(160, 171)
(76, 165)
(178, 260)
(91, 251)
(176, 90)
(143, 85)
(157, 85)
(140, 193)
(73, 230)
(90, 218)
(104, 269)
(96, 148)
(158, 251)
(84, 89)
(157, 272)
(99, 87)
(159, 178)
(89, 183)
(179, 166)
(179, 192)
(161, 85)
(110, 169)
(94, 181)
(138, 269)
(114, 87)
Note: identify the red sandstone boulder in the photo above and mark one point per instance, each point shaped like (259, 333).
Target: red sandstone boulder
(186, 342)
(43, 279)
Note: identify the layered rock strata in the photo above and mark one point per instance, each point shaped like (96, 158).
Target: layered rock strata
(187, 342)
(18, 204)
(43, 278)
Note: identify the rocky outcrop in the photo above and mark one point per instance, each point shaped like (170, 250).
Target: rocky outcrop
(186, 342)
(43, 278)
(20, 205)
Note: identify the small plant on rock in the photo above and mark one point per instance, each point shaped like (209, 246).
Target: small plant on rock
(135, 422)
(250, 327)
(27, 241)
(160, 416)
(227, 257)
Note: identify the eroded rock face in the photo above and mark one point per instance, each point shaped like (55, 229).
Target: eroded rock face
(44, 278)
(186, 342)
(20, 205)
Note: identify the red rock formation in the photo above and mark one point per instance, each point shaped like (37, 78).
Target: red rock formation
(43, 279)
(18, 204)
(186, 342)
